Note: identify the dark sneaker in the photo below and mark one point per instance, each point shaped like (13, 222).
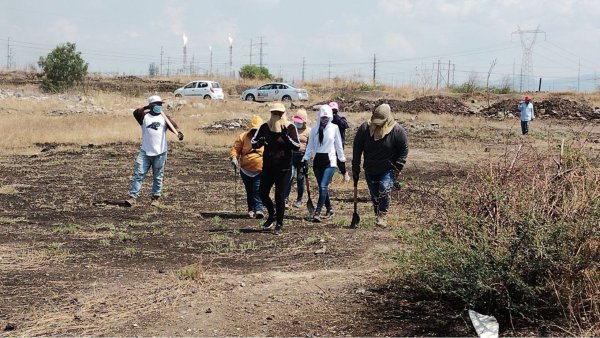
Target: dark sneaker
(155, 202)
(317, 217)
(298, 204)
(329, 214)
(278, 230)
(259, 214)
(268, 224)
(129, 202)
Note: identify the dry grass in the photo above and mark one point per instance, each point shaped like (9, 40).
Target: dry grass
(105, 308)
(10, 189)
(22, 257)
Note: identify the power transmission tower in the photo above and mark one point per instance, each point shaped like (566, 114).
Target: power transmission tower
(528, 38)
(261, 53)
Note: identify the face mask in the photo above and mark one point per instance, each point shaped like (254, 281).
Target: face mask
(157, 109)
(299, 125)
(324, 122)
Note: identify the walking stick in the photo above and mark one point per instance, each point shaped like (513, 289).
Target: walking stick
(355, 216)
(309, 204)
(235, 175)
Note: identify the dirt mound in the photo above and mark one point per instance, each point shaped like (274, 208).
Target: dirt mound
(436, 104)
(502, 108)
(557, 107)
(553, 107)
(225, 125)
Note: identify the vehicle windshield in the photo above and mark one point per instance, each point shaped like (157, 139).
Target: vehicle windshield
(216, 85)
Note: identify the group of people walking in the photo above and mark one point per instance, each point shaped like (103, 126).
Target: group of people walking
(278, 152)
(288, 148)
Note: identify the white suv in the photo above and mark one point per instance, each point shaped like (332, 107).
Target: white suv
(205, 89)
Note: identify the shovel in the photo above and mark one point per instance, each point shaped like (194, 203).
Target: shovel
(309, 204)
(355, 216)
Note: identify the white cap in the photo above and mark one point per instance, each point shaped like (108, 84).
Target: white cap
(155, 99)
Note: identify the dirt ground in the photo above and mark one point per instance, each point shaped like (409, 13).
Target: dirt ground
(74, 261)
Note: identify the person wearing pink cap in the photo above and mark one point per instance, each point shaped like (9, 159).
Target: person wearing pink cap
(527, 114)
(301, 122)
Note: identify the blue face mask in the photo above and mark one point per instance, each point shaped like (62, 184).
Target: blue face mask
(299, 125)
(157, 109)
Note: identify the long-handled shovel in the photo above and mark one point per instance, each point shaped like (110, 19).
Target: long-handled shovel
(309, 204)
(355, 216)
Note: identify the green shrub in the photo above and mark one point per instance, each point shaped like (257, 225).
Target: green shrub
(62, 68)
(255, 72)
(518, 236)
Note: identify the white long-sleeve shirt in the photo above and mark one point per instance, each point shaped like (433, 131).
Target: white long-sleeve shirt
(526, 110)
(332, 143)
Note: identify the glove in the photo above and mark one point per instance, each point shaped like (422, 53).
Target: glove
(283, 132)
(355, 173)
(304, 167)
(235, 163)
(180, 135)
(398, 168)
(342, 167)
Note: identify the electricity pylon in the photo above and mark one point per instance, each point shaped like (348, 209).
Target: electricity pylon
(528, 38)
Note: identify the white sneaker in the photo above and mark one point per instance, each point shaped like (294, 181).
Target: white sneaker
(381, 221)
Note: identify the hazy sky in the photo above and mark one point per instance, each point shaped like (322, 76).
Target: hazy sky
(333, 37)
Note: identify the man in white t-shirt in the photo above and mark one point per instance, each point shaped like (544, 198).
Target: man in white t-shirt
(153, 152)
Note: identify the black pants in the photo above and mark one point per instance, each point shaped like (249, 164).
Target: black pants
(280, 179)
(525, 127)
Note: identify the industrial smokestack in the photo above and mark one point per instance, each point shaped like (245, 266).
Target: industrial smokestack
(185, 39)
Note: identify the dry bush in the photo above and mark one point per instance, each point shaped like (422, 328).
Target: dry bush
(517, 237)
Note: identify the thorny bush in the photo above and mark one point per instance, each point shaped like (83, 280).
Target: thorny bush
(517, 238)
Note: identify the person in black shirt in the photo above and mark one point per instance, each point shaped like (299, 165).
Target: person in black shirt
(384, 144)
(280, 138)
(342, 124)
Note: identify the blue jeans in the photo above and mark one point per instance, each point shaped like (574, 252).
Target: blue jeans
(323, 176)
(380, 187)
(142, 164)
(252, 197)
(296, 160)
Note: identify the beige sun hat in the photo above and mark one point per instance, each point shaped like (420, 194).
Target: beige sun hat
(277, 107)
